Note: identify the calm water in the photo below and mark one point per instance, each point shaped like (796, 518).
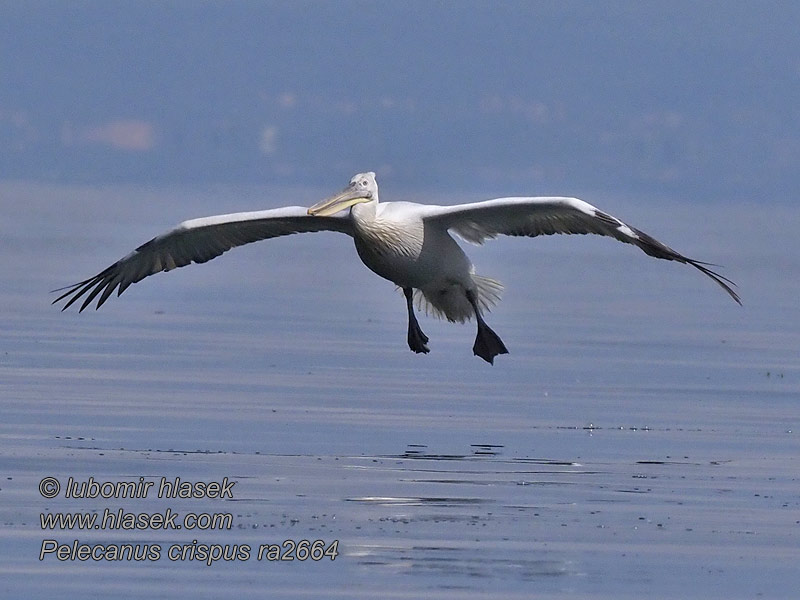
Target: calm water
(642, 438)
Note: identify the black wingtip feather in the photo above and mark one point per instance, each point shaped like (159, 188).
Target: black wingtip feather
(725, 283)
(653, 247)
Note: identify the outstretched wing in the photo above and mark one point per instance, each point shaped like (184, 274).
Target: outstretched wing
(198, 241)
(547, 216)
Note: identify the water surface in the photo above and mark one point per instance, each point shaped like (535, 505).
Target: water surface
(640, 439)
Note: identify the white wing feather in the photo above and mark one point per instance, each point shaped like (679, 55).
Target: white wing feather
(198, 241)
(530, 217)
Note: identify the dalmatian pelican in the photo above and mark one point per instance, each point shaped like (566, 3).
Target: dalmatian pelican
(407, 243)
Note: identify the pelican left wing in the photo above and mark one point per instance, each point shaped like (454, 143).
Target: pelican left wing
(197, 241)
(550, 215)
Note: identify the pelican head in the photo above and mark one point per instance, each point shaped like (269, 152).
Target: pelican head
(362, 188)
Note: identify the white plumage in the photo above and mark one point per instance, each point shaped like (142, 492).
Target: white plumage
(407, 243)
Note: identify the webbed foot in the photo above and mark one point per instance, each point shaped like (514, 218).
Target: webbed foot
(488, 344)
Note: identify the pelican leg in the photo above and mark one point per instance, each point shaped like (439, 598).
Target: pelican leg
(487, 343)
(416, 339)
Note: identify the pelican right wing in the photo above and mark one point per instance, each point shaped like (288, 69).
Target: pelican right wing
(534, 216)
(198, 241)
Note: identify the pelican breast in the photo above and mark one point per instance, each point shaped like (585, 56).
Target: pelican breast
(391, 244)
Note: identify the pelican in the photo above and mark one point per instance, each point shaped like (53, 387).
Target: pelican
(407, 243)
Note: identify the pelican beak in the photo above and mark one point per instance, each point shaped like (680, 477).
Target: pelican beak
(345, 199)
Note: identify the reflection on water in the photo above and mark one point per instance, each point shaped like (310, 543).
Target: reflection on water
(640, 437)
(444, 563)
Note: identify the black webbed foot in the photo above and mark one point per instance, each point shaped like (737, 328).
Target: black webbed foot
(417, 340)
(488, 344)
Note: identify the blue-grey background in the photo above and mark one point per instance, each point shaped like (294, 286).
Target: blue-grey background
(694, 100)
(641, 438)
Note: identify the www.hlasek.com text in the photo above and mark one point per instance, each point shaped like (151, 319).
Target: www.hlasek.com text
(129, 521)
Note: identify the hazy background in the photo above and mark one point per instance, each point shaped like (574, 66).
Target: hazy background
(681, 99)
(642, 436)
